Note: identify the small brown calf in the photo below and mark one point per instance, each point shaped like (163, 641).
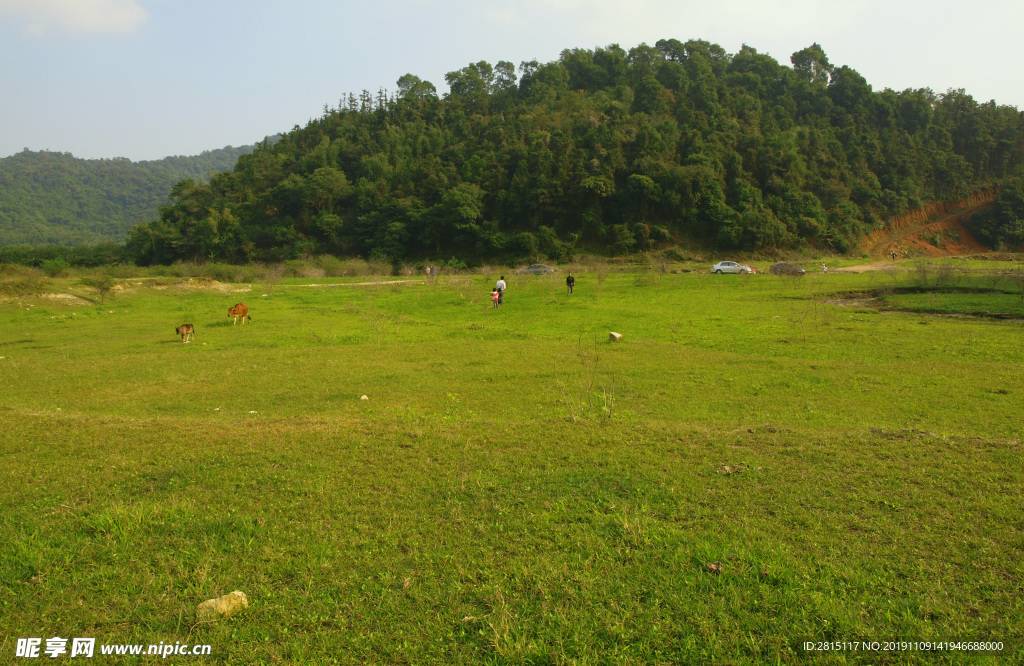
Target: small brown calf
(186, 331)
(240, 310)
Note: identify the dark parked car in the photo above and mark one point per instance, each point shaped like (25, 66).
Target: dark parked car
(535, 269)
(783, 268)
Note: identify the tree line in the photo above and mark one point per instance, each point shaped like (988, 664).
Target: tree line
(57, 198)
(606, 149)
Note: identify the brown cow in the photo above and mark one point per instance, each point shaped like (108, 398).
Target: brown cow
(240, 310)
(186, 331)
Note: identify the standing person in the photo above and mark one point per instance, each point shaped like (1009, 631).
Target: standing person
(431, 271)
(495, 296)
(824, 268)
(500, 287)
(570, 282)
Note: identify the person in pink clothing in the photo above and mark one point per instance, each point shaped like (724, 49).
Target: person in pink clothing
(495, 295)
(500, 287)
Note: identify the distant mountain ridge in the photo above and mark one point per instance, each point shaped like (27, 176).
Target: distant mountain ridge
(57, 198)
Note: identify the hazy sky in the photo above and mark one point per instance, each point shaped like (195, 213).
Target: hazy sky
(149, 78)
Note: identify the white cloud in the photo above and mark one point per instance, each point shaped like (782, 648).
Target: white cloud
(75, 16)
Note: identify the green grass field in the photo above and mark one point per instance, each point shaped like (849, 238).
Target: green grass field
(749, 469)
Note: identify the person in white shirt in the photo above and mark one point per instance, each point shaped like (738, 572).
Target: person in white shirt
(500, 287)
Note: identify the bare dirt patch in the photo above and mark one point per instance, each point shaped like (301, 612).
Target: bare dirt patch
(353, 284)
(934, 230)
(207, 284)
(865, 302)
(65, 298)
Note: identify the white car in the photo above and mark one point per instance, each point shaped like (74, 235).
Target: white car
(731, 267)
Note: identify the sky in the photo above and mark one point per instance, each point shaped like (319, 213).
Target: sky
(145, 79)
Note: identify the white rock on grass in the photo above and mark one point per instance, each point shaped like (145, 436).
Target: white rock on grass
(615, 337)
(363, 398)
(222, 607)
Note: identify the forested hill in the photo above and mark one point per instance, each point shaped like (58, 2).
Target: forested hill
(56, 198)
(603, 149)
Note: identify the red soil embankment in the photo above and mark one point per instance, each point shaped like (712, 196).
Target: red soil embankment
(913, 232)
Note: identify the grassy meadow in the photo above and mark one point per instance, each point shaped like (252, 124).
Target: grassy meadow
(759, 463)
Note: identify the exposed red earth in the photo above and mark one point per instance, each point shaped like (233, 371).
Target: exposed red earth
(934, 230)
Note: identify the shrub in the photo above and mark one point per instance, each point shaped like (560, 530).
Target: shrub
(660, 234)
(453, 264)
(123, 271)
(524, 245)
(379, 267)
(330, 265)
(623, 238)
(101, 283)
(20, 281)
(295, 267)
(55, 267)
(221, 272)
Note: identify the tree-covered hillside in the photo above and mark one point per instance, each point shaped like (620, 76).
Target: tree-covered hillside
(604, 149)
(56, 198)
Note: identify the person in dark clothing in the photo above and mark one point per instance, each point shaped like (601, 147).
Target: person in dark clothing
(570, 282)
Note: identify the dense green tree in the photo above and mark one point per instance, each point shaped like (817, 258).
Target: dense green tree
(812, 65)
(1003, 224)
(48, 197)
(412, 87)
(603, 149)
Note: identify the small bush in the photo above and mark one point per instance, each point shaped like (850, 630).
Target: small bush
(295, 267)
(221, 272)
(21, 281)
(14, 271)
(453, 265)
(352, 268)
(101, 283)
(381, 268)
(55, 267)
(675, 254)
(122, 271)
(330, 265)
(560, 252)
(660, 234)
(922, 273)
(947, 274)
(177, 269)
